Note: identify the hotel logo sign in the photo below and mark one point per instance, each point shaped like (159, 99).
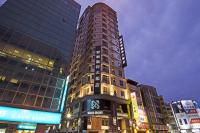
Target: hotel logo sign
(95, 104)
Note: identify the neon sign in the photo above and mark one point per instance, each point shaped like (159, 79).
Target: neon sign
(29, 116)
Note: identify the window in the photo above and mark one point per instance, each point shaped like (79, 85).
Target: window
(105, 59)
(85, 91)
(104, 43)
(105, 68)
(19, 98)
(104, 31)
(105, 90)
(24, 87)
(52, 81)
(12, 86)
(57, 93)
(49, 92)
(39, 101)
(113, 71)
(47, 102)
(105, 51)
(8, 96)
(113, 81)
(122, 94)
(42, 90)
(104, 37)
(105, 122)
(115, 93)
(77, 94)
(89, 121)
(92, 89)
(30, 99)
(180, 121)
(46, 80)
(105, 79)
(185, 121)
(121, 83)
(104, 25)
(55, 104)
(120, 73)
(34, 89)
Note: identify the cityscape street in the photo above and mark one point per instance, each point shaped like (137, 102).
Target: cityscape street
(99, 66)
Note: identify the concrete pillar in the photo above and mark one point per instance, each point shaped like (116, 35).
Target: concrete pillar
(40, 128)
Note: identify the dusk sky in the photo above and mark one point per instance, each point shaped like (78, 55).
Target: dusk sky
(162, 42)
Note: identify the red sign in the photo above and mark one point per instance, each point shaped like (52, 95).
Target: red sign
(192, 111)
(143, 125)
(195, 120)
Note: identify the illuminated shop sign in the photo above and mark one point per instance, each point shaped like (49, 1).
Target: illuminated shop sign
(29, 116)
(122, 51)
(122, 115)
(64, 94)
(26, 126)
(95, 112)
(97, 72)
(98, 106)
(95, 104)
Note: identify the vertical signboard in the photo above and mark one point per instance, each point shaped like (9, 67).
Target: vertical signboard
(122, 51)
(97, 72)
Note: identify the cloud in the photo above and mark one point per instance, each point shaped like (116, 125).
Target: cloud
(162, 43)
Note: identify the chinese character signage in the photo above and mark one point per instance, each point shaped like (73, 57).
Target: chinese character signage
(97, 72)
(122, 51)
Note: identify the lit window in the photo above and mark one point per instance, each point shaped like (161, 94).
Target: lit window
(180, 121)
(105, 122)
(122, 94)
(14, 81)
(105, 90)
(2, 78)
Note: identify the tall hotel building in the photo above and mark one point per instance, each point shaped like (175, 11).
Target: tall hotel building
(36, 44)
(98, 95)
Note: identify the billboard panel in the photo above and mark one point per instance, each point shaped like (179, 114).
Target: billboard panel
(187, 115)
(29, 116)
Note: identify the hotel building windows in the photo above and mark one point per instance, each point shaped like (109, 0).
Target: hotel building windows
(103, 62)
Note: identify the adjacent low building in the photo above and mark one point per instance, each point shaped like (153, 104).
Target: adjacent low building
(139, 117)
(153, 108)
(169, 118)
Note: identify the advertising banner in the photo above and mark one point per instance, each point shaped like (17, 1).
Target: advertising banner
(28, 116)
(187, 115)
(189, 107)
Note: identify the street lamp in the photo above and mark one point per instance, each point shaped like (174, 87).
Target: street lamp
(69, 115)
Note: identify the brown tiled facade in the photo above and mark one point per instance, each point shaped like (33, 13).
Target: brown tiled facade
(98, 97)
